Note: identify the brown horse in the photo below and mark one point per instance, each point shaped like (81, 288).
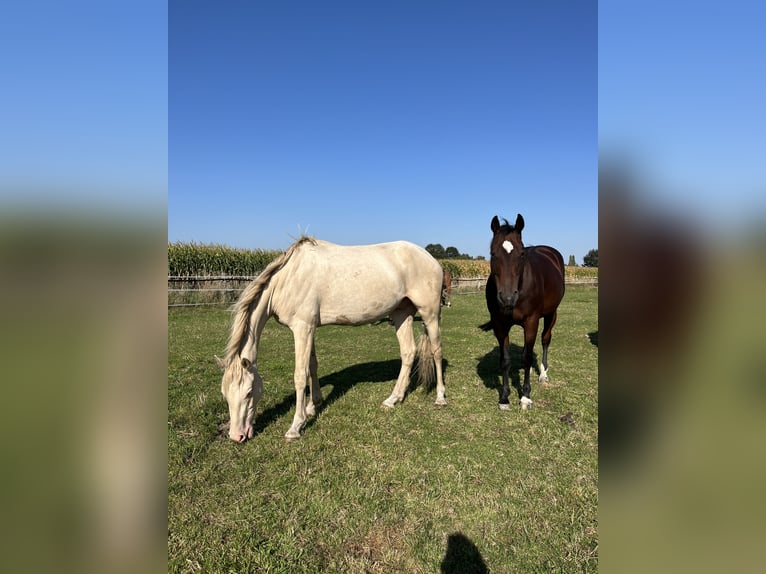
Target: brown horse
(525, 284)
(446, 288)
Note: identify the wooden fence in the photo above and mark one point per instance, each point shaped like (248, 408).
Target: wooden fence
(192, 291)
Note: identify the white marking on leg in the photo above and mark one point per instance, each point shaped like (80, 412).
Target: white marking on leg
(543, 378)
(526, 403)
(504, 406)
(507, 246)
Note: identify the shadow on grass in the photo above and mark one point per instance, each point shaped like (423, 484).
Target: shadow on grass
(342, 382)
(462, 557)
(593, 338)
(488, 369)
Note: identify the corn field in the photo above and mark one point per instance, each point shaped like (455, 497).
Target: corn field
(193, 259)
(469, 268)
(215, 274)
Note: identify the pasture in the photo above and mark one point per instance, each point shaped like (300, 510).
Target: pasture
(464, 488)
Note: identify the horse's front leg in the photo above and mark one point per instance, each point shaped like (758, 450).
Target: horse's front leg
(530, 333)
(316, 391)
(304, 341)
(505, 370)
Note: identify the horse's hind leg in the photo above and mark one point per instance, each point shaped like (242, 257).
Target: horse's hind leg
(548, 322)
(402, 318)
(434, 338)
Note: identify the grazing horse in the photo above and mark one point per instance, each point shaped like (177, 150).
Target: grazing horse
(525, 284)
(318, 283)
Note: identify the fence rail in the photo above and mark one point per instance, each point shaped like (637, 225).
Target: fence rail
(197, 290)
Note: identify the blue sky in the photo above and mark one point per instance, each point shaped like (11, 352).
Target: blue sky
(682, 96)
(362, 122)
(368, 122)
(84, 104)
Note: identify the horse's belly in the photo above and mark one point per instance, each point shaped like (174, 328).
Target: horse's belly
(353, 315)
(357, 307)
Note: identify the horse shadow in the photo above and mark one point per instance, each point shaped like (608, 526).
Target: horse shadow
(342, 382)
(462, 556)
(593, 336)
(488, 368)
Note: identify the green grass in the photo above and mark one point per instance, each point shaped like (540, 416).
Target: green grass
(413, 489)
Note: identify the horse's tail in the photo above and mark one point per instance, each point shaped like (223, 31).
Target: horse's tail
(426, 366)
(486, 326)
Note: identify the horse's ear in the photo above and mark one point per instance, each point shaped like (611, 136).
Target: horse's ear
(519, 225)
(246, 363)
(495, 225)
(219, 362)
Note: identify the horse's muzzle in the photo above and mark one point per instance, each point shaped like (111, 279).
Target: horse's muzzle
(507, 302)
(241, 437)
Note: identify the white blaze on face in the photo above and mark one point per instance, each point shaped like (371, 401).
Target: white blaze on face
(507, 246)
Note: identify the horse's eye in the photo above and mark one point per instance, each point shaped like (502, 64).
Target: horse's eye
(249, 394)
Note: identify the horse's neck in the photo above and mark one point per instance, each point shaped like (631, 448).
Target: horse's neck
(257, 320)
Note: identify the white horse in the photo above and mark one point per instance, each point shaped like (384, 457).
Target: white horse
(318, 283)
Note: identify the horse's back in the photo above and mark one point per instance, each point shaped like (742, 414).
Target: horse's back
(395, 258)
(353, 284)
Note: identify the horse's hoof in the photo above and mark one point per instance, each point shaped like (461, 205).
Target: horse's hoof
(291, 436)
(526, 403)
(504, 406)
(543, 379)
(389, 403)
(441, 402)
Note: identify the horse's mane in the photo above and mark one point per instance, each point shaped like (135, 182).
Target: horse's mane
(252, 295)
(505, 227)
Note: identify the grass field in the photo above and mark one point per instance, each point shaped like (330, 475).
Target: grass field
(461, 489)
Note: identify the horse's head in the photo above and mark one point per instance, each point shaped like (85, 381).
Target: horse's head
(506, 260)
(242, 387)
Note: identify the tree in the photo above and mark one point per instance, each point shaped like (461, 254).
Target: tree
(591, 259)
(452, 253)
(436, 250)
(572, 262)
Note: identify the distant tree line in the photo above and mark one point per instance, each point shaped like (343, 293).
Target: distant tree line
(590, 259)
(438, 251)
